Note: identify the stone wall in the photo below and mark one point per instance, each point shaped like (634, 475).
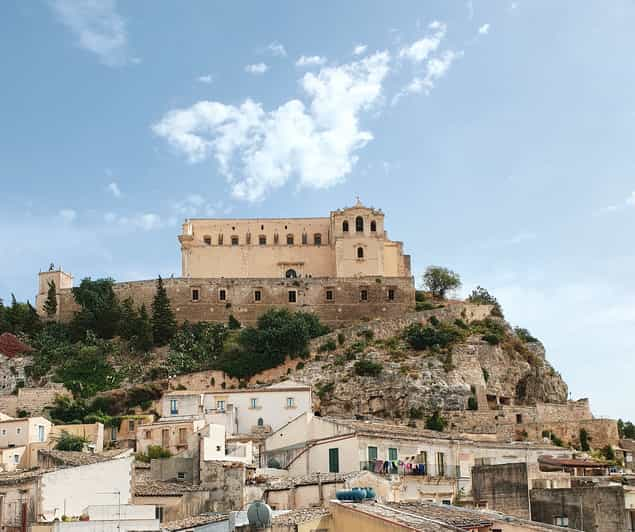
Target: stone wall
(602, 507)
(12, 372)
(503, 487)
(31, 400)
(346, 306)
(601, 432)
(225, 482)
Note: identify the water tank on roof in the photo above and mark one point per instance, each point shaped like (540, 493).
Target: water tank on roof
(349, 495)
(259, 515)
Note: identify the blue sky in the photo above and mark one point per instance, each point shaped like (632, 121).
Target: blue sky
(496, 136)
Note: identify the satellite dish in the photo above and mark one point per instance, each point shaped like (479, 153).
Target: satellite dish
(259, 515)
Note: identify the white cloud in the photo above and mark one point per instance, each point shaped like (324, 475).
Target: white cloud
(207, 78)
(628, 202)
(257, 68)
(147, 221)
(98, 27)
(435, 69)
(484, 29)
(419, 50)
(114, 189)
(68, 215)
(360, 49)
(311, 60)
(258, 150)
(275, 48)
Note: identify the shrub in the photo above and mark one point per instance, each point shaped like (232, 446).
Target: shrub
(434, 321)
(325, 389)
(233, 323)
(420, 296)
(155, 452)
(425, 305)
(367, 334)
(609, 453)
(196, 347)
(422, 337)
(436, 422)
(299, 365)
(480, 296)
(472, 404)
(525, 335)
(555, 440)
(492, 339)
(584, 440)
(367, 368)
(329, 345)
(416, 412)
(341, 338)
(485, 375)
(439, 280)
(70, 442)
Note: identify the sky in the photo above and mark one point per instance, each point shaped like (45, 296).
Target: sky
(497, 137)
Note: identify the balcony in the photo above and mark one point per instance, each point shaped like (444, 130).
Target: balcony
(381, 467)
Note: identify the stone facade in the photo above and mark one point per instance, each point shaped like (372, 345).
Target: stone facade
(313, 264)
(225, 482)
(593, 509)
(31, 400)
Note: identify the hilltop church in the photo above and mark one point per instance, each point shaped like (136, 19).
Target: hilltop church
(342, 267)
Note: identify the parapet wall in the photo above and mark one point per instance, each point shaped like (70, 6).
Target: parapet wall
(351, 299)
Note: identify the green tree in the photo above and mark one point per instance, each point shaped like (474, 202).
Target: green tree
(70, 442)
(128, 319)
(196, 347)
(163, 320)
(4, 324)
(626, 429)
(480, 296)
(99, 309)
(50, 305)
(142, 340)
(584, 440)
(436, 422)
(21, 318)
(439, 280)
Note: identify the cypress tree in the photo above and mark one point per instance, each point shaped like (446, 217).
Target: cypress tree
(128, 319)
(163, 320)
(50, 305)
(142, 341)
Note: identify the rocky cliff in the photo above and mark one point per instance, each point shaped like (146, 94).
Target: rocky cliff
(375, 369)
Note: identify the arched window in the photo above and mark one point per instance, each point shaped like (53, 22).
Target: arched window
(359, 224)
(345, 226)
(290, 274)
(373, 226)
(208, 240)
(261, 422)
(360, 252)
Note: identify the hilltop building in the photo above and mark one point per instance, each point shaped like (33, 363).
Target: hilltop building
(342, 267)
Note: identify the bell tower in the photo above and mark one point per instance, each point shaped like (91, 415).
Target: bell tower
(62, 280)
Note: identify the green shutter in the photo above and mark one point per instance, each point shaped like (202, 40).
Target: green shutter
(392, 453)
(372, 454)
(334, 460)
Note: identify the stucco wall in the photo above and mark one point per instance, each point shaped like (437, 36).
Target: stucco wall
(502, 487)
(72, 489)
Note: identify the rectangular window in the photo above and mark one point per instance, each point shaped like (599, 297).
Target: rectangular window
(131, 425)
(182, 435)
(317, 239)
(440, 464)
(262, 240)
(372, 454)
(148, 434)
(304, 239)
(329, 295)
(195, 294)
(290, 402)
(234, 240)
(220, 240)
(180, 475)
(253, 403)
(16, 458)
(113, 433)
(392, 453)
(4, 432)
(257, 295)
(289, 240)
(40, 433)
(292, 296)
(391, 294)
(363, 295)
(158, 513)
(18, 430)
(220, 405)
(334, 460)
(561, 520)
(174, 407)
(222, 295)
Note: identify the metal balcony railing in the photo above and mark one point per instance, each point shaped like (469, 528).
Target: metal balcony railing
(396, 467)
